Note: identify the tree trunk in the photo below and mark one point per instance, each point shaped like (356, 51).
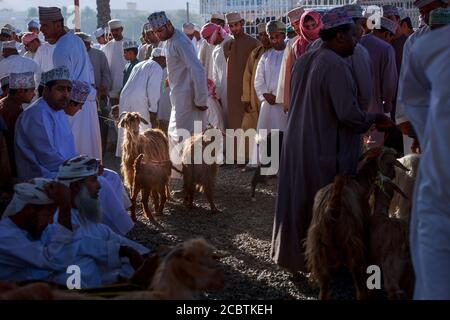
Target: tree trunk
(103, 13)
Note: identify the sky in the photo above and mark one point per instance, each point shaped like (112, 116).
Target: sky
(149, 5)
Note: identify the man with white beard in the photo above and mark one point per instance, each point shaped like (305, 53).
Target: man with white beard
(115, 256)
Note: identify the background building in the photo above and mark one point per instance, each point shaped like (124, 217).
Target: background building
(253, 11)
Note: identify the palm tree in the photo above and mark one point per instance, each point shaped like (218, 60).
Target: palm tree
(103, 13)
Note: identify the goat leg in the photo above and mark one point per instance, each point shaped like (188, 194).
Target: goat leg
(189, 197)
(136, 191)
(209, 192)
(155, 199)
(163, 199)
(147, 210)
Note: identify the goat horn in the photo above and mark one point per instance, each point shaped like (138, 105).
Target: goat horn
(399, 165)
(397, 188)
(143, 120)
(122, 114)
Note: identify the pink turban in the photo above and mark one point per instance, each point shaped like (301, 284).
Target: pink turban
(28, 37)
(307, 36)
(210, 31)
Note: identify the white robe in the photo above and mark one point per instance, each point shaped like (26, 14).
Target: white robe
(188, 88)
(98, 243)
(220, 73)
(140, 94)
(44, 56)
(18, 64)
(114, 54)
(205, 56)
(71, 52)
(43, 141)
(282, 74)
(25, 259)
(425, 97)
(271, 117)
(400, 116)
(164, 106)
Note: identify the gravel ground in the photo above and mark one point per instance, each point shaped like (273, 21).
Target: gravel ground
(243, 229)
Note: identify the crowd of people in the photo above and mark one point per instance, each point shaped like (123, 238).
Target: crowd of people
(332, 84)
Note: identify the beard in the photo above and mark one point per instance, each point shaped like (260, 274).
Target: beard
(87, 206)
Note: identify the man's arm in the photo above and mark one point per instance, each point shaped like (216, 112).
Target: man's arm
(390, 80)
(414, 96)
(247, 82)
(105, 73)
(154, 88)
(40, 138)
(188, 56)
(260, 79)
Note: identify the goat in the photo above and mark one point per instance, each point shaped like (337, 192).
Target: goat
(257, 176)
(180, 273)
(389, 243)
(152, 143)
(200, 176)
(187, 269)
(337, 236)
(151, 178)
(401, 207)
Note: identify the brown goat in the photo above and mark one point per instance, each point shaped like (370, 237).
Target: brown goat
(201, 176)
(337, 236)
(152, 143)
(389, 247)
(188, 269)
(150, 178)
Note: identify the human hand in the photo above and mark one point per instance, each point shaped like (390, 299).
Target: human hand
(247, 107)
(383, 123)
(60, 194)
(202, 108)
(415, 147)
(270, 98)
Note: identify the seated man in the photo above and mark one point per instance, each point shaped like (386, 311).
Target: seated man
(115, 256)
(21, 90)
(23, 256)
(44, 140)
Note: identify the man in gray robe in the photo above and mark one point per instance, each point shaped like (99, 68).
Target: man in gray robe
(187, 80)
(384, 73)
(322, 138)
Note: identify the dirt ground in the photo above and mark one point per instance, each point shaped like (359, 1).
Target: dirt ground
(243, 229)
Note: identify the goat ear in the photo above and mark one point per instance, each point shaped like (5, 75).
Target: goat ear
(368, 156)
(143, 120)
(397, 188)
(121, 120)
(398, 164)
